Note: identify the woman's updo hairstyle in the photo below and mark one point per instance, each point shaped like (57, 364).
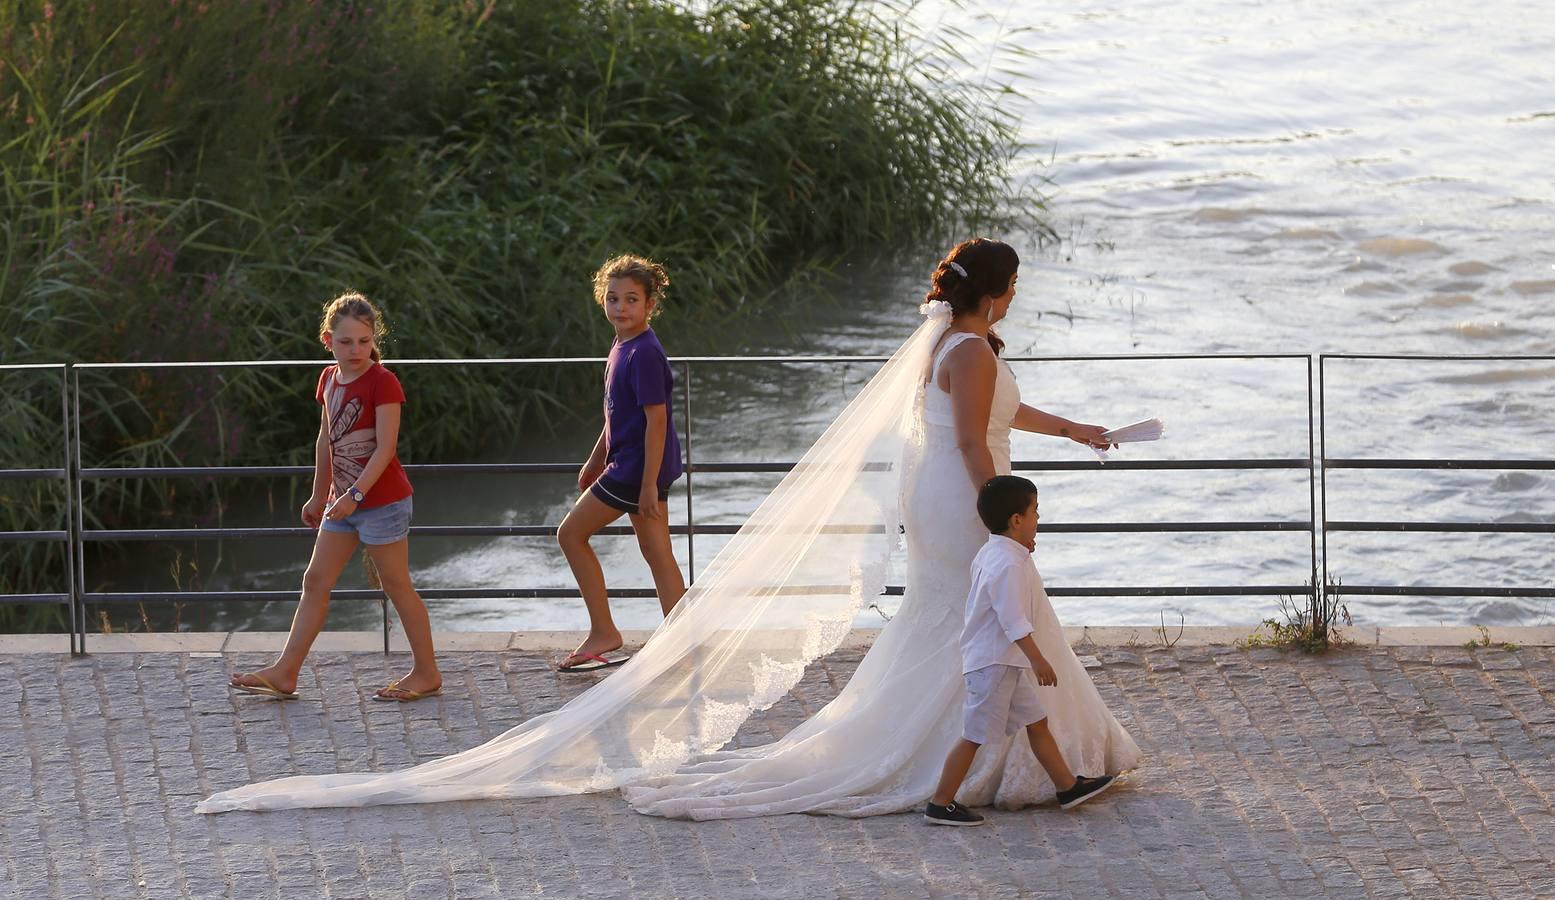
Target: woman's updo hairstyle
(974, 269)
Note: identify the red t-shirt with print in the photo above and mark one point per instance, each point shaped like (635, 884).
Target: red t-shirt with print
(353, 415)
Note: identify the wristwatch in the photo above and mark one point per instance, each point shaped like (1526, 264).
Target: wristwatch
(355, 494)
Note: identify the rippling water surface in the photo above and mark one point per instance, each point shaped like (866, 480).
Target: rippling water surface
(1225, 178)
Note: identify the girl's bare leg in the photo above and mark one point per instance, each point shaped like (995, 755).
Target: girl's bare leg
(653, 539)
(584, 521)
(331, 551)
(393, 563)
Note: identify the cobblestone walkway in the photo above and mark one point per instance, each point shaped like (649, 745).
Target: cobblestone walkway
(1369, 772)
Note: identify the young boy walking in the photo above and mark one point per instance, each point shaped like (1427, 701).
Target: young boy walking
(999, 657)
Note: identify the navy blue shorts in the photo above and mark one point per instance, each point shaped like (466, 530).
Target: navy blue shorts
(621, 495)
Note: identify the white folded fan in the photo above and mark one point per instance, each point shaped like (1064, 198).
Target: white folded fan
(1144, 430)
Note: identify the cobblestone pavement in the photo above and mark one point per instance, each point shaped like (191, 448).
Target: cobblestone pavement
(1382, 772)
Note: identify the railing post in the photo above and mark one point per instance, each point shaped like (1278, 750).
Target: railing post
(691, 521)
(72, 592)
(1322, 459)
(691, 543)
(77, 499)
(1312, 462)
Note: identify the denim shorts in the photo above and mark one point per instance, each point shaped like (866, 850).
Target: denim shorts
(379, 525)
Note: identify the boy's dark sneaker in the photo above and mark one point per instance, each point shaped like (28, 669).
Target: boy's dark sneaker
(951, 814)
(1083, 790)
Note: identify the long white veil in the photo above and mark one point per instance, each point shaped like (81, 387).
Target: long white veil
(782, 593)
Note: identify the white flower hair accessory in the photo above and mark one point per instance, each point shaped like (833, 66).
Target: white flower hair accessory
(956, 267)
(939, 310)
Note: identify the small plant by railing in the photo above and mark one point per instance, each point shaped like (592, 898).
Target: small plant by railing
(1484, 642)
(1307, 625)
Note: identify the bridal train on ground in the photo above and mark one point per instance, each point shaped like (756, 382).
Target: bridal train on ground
(782, 593)
(879, 746)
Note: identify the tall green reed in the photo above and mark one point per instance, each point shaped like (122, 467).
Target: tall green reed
(192, 181)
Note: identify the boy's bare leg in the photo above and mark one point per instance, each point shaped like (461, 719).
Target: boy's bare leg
(331, 551)
(1052, 761)
(653, 539)
(393, 562)
(585, 520)
(957, 764)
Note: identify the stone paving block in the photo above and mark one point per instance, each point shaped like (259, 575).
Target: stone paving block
(206, 884)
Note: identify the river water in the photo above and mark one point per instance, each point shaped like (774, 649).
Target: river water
(1249, 177)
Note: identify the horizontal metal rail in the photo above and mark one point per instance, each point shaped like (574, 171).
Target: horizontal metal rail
(1492, 464)
(352, 594)
(33, 474)
(679, 360)
(307, 471)
(1462, 527)
(505, 593)
(30, 536)
(1450, 357)
(216, 534)
(1390, 590)
(1032, 465)
(1190, 590)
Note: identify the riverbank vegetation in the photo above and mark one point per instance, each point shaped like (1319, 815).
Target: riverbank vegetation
(190, 181)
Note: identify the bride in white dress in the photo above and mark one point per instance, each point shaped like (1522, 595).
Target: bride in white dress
(879, 746)
(933, 422)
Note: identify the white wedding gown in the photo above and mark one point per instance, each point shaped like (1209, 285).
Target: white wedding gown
(782, 593)
(879, 746)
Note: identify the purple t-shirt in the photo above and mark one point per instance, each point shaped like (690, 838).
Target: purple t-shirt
(637, 374)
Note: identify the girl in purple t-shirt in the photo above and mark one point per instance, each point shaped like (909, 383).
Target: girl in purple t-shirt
(634, 461)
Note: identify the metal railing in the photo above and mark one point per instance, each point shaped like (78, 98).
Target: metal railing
(69, 536)
(1314, 521)
(1326, 463)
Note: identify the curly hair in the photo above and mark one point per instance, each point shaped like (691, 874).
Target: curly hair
(647, 273)
(357, 307)
(972, 270)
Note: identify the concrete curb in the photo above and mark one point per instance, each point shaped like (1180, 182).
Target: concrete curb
(1143, 636)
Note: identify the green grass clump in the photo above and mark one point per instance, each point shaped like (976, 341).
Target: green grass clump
(1308, 626)
(190, 181)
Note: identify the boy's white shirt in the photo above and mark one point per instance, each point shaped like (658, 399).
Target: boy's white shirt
(1000, 605)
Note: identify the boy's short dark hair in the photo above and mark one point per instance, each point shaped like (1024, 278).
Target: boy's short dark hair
(1003, 496)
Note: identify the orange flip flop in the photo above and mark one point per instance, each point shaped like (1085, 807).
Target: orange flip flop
(592, 662)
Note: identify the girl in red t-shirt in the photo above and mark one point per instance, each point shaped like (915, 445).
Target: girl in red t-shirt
(360, 495)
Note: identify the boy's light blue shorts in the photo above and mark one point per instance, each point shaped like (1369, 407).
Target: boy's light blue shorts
(380, 525)
(1000, 701)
